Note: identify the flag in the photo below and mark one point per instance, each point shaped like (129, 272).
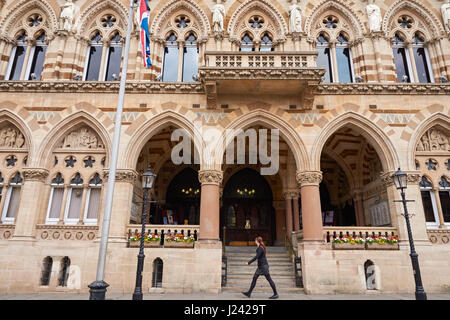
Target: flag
(143, 14)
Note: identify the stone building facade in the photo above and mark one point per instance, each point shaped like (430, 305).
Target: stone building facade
(356, 89)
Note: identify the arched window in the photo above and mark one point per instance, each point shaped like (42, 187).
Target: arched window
(429, 203)
(171, 56)
(324, 57)
(64, 272)
(74, 201)
(190, 58)
(444, 197)
(114, 58)
(401, 59)
(36, 59)
(344, 60)
(92, 205)
(422, 60)
(266, 43)
(46, 273)
(17, 58)
(12, 199)
(157, 273)
(247, 43)
(93, 58)
(56, 200)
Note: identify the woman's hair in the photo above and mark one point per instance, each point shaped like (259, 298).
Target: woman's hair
(261, 243)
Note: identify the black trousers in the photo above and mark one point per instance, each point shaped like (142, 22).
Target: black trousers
(264, 270)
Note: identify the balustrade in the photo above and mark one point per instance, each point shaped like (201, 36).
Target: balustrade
(329, 233)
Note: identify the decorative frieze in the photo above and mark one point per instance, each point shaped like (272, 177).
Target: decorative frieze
(439, 236)
(309, 178)
(412, 178)
(123, 175)
(210, 177)
(434, 140)
(35, 174)
(83, 138)
(11, 137)
(66, 232)
(383, 88)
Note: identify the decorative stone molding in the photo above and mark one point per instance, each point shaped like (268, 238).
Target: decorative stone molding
(412, 178)
(383, 88)
(65, 232)
(439, 236)
(287, 195)
(210, 177)
(122, 175)
(309, 178)
(83, 138)
(35, 174)
(6, 231)
(11, 137)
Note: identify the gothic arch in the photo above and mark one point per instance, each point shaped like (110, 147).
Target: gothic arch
(367, 128)
(64, 127)
(277, 27)
(428, 21)
(14, 21)
(163, 21)
(87, 21)
(352, 22)
(151, 127)
(267, 119)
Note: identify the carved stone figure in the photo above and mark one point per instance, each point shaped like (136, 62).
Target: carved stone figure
(434, 140)
(445, 10)
(218, 16)
(374, 16)
(295, 17)
(83, 138)
(11, 138)
(67, 15)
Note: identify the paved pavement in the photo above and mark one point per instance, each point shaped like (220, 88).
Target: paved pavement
(223, 296)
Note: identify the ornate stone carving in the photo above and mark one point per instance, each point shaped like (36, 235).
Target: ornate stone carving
(445, 10)
(374, 16)
(66, 232)
(123, 175)
(309, 178)
(83, 138)
(210, 177)
(439, 236)
(35, 174)
(434, 140)
(218, 16)
(412, 178)
(11, 137)
(291, 194)
(383, 88)
(66, 16)
(295, 18)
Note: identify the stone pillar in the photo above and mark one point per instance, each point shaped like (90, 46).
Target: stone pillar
(210, 205)
(439, 208)
(30, 202)
(288, 215)
(296, 212)
(123, 196)
(378, 60)
(311, 211)
(359, 208)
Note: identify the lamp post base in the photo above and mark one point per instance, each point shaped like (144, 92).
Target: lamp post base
(421, 295)
(97, 290)
(137, 296)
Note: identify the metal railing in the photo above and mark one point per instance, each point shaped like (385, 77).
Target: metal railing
(163, 230)
(332, 232)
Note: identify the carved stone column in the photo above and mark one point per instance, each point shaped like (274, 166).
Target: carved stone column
(309, 182)
(30, 205)
(121, 207)
(210, 204)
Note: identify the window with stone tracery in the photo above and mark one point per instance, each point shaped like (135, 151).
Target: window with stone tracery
(113, 58)
(94, 58)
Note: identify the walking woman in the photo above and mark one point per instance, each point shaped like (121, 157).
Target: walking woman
(263, 268)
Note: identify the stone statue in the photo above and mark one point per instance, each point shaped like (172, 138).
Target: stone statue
(67, 15)
(295, 17)
(218, 16)
(374, 16)
(445, 10)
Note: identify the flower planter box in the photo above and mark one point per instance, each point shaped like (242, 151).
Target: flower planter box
(151, 244)
(348, 246)
(386, 246)
(176, 244)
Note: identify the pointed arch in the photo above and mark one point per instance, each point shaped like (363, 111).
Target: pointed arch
(65, 126)
(278, 25)
(24, 7)
(352, 20)
(368, 129)
(162, 21)
(267, 119)
(429, 21)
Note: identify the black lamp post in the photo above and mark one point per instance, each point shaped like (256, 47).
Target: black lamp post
(148, 178)
(400, 181)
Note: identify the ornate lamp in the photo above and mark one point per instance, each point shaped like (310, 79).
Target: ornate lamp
(399, 178)
(148, 178)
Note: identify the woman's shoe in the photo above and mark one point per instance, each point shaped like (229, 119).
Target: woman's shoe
(247, 294)
(275, 296)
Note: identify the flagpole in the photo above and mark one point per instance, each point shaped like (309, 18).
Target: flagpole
(98, 288)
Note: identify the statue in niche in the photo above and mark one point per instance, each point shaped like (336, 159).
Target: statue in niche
(374, 16)
(434, 140)
(11, 138)
(218, 16)
(445, 10)
(67, 15)
(295, 17)
(83, 138)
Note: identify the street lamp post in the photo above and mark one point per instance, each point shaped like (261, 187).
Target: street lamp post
(400, 181)
(148, 178)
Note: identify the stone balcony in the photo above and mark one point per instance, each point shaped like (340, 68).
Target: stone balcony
(261, 73)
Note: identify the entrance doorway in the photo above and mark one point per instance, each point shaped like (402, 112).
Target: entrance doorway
(247, 210)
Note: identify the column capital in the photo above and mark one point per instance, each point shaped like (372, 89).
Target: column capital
(291, 194)
(412, 178)
(210, 177)
(35, 174)
(123, 175)
(309, 178)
